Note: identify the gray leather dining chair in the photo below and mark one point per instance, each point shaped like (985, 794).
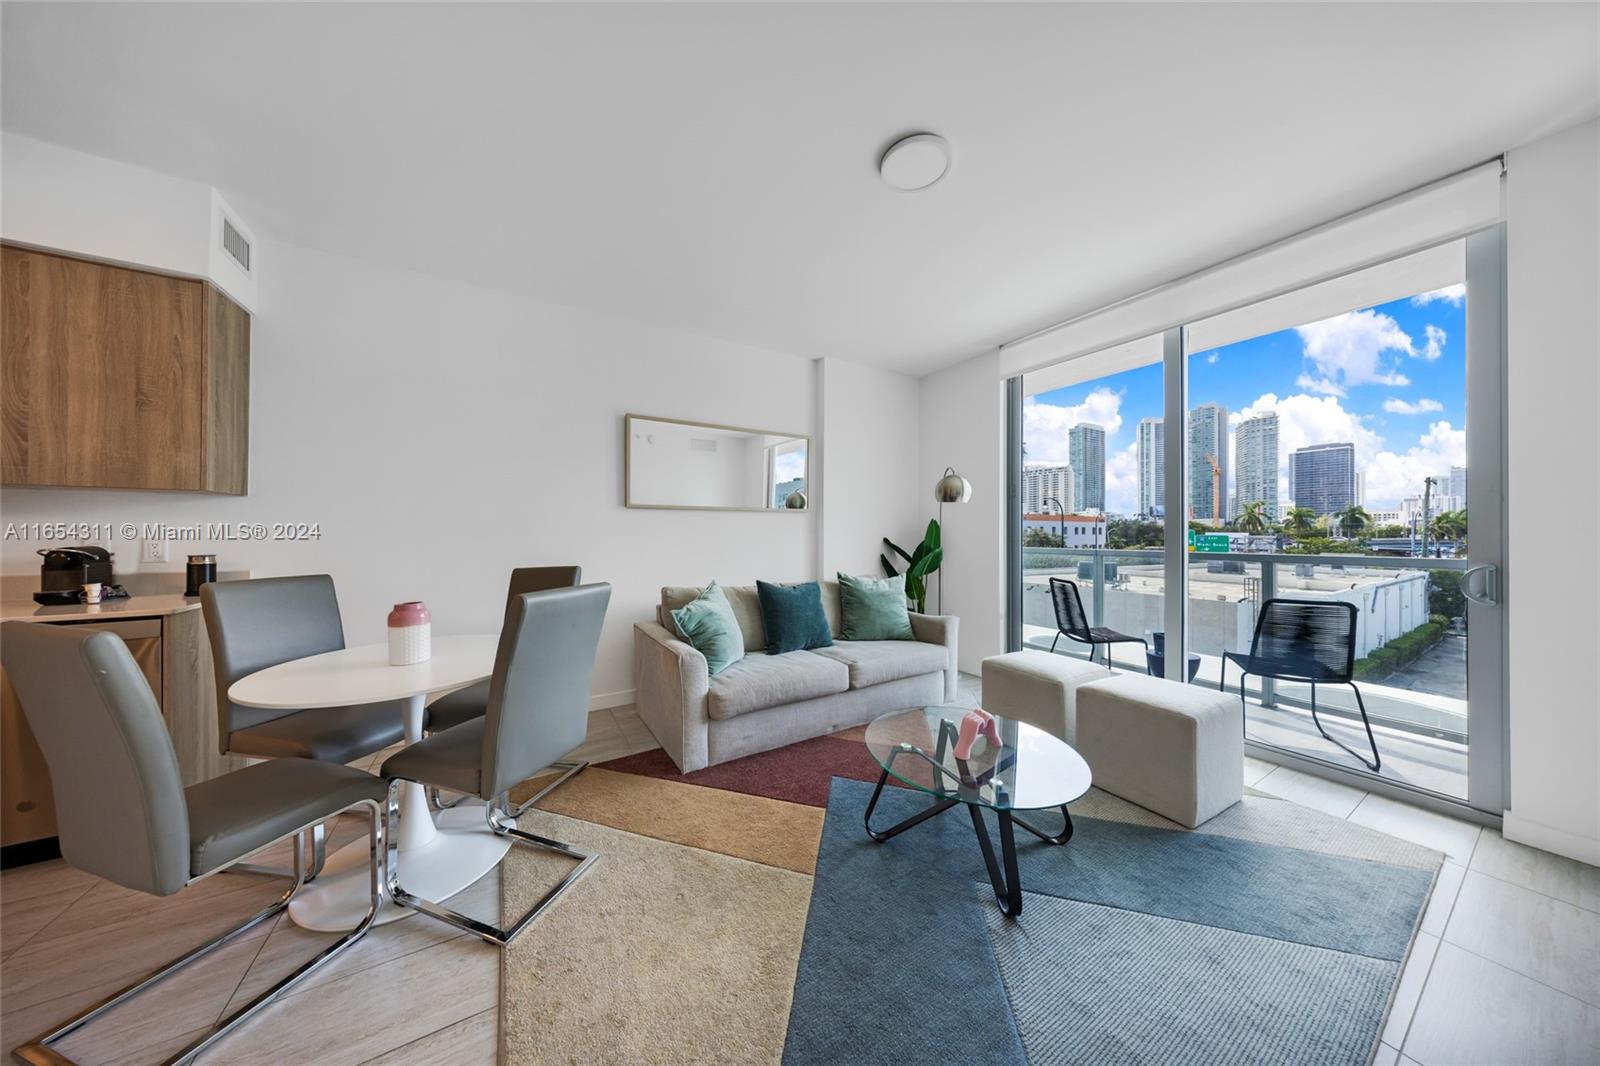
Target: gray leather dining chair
(463, 705)
(123, 814)
(538, 711)
(262, 622)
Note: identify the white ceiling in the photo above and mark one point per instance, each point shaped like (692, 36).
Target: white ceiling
(713, 167)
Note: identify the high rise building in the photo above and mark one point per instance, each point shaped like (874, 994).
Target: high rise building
(1457, 485)
(1256, 441)
(1150, 442)
(1086, 450)
(1208, 443)
(1323, 477)
(1041, 483)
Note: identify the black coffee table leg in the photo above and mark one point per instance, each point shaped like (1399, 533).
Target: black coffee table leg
(1060, 838)
(1007, 884)
(916, 819)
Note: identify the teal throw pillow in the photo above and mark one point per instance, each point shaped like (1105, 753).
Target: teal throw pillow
(708, 624)
(793, 617)
(874, 608)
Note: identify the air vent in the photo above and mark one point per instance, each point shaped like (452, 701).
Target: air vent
(236, 245)
(702, 444)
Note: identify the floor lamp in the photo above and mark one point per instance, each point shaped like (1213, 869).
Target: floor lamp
(952, 488)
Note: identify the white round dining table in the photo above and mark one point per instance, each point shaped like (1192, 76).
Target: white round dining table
(439, 855)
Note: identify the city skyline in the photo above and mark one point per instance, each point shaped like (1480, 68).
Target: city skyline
(1389, 379)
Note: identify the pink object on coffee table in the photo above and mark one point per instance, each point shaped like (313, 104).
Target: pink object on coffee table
(974, 724)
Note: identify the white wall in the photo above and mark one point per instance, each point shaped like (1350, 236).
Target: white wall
(441, 434)
(870, 480)
(1553, 450)
(71, 201)
(963, 425)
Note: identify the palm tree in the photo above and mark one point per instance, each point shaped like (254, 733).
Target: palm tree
(1449, 525)
(1252, 518)
(1299, 521)
(1353, 519)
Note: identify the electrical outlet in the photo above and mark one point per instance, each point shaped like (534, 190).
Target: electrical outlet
(156, 551)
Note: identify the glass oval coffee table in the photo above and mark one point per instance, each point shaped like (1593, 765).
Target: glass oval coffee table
(1004, 765)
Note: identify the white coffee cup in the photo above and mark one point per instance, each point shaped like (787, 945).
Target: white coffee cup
(92, 592)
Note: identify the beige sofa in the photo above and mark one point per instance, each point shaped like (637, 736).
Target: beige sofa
(767, 701)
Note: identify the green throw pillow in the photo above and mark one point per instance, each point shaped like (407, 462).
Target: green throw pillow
(874, 608)
(793, 617)
(708, 624)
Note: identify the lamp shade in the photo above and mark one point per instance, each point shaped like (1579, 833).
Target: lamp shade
(952, 488)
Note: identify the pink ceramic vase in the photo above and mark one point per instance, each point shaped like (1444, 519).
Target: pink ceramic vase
(410, 633)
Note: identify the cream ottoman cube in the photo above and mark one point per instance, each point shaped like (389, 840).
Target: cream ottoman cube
(1038, 688)
(1171, 748)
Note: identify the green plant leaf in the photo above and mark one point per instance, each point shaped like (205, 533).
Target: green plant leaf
(931, 537)
(928, 563)
(888, 567)
(897, 550)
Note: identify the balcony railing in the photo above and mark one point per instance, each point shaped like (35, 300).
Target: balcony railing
(1422, 699)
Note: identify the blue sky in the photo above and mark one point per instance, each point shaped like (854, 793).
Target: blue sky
(1391, 379)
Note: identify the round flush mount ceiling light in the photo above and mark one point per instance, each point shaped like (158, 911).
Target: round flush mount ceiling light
(915, 162)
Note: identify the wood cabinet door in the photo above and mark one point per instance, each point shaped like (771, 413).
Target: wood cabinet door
(27, 806)
(228, 396)
(104, 373)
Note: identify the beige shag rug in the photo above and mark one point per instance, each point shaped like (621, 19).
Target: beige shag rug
(662, 953)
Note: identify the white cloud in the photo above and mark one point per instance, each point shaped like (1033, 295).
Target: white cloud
(1045, 425)
(1349, 350)
(1122, 480)
(1450, 294)
(1392, 475)
(1396, 406)
(1435, 346)
(1212, 358)
(1321, 386)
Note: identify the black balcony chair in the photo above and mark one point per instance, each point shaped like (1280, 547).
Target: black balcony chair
(1073, 623)
(1306, 640)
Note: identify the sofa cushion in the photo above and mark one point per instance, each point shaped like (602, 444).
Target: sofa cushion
(746, 608)
(872, 662)
(760, 680)
(793, 617)
(875, 608)
(709, 626)
(741, 598)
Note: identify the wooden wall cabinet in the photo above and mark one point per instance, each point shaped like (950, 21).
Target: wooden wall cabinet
(120, 378)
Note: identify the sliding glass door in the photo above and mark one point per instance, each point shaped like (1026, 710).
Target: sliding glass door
(1321, 446)
(1092, 503)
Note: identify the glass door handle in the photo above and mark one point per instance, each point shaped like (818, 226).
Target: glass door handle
(1489, 596)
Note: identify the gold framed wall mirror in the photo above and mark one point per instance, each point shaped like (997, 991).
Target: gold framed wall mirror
(673, 464)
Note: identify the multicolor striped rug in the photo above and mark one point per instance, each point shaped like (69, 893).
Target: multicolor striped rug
(740, 914)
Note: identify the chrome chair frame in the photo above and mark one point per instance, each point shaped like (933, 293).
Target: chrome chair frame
(314, 842)
(496, 814)
(570, 769)
(38, 1051)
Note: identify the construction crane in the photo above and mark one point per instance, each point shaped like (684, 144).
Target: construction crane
(1216, 490)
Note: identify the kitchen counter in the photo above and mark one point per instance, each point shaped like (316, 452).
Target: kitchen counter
(154, 595)
(153, 606)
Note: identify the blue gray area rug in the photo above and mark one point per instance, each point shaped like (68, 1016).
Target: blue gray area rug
(1272, 934)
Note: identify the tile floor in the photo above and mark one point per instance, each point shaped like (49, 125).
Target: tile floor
(1506, 968)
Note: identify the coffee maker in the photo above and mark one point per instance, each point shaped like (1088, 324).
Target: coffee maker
(65, 571)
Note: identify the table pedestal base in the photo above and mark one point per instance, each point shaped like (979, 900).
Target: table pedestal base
(1003, 876)
(463, 848)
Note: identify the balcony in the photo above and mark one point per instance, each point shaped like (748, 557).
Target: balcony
(1410, 645)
